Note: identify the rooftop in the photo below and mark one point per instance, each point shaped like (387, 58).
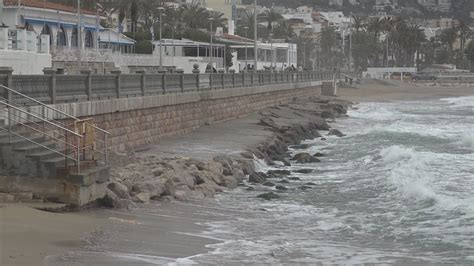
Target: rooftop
(48, 5)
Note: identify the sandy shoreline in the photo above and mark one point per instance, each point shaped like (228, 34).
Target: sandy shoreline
(383, 91)
(159, 233)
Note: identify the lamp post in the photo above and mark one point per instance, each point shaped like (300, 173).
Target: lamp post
(246, 49)
(211, 20)
(160, 9)
(350, 45)
(1, 13)
(255, 52)
(79, 36)
(271, 49)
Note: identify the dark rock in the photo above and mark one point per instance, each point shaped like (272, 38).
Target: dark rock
(283, 160)
(119, 189)
(257, 177)
(226, 163)
(327, 114)
(304, 171)
(284, 181)
(304, 187)
(318, 154)
(294, 178)
(250, 189)
(305, 158)
(268, 196)
(300, 146)
(280, 187)
(323, 139)
(310, 184)
(246, 155)
(278, 173)
(267, 122)
(268, 184)
(335, 132)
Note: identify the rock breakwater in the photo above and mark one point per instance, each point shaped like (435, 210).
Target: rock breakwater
(151, 177)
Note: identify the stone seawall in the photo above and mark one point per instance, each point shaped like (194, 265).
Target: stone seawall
(135, 122)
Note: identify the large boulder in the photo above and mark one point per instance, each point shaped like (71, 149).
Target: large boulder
(268, 196)
(278, 173)
(267, 122)
(142, 197)
(305, 158)
(155, 187)
(335, 132)
(257, 177)
(304, 171)
(300, 146)
(119, 189)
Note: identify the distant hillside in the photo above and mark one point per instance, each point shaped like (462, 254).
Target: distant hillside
(460, 8)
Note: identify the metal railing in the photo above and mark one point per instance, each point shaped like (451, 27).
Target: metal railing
(55, 88)
(38, 123)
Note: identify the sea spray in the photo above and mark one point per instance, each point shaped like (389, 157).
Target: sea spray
(396, 190)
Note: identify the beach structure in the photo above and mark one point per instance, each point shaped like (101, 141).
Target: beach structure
(270, 55)
(75, 39)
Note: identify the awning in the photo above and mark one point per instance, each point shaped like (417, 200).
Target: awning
(55, 23)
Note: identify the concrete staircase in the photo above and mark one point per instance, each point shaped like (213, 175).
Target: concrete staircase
(45, 156)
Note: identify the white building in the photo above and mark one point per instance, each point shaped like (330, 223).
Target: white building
(335, 19)
(335, 2)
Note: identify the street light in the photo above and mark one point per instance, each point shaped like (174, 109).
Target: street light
(79, 35)
(160, 9)
(255, 36)
(246, 49)
(212, 55)
(271, 49)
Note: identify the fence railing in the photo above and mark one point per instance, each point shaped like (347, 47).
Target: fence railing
(56, 88)
(74, 139)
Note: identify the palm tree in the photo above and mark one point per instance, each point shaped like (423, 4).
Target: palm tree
(196, 16)
(270, 17)
(282, 31)
(448, 37)
(245, 24)
(218, 19)
(358, 23)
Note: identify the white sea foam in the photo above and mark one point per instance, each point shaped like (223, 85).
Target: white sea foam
(467, 101)
(467, 139)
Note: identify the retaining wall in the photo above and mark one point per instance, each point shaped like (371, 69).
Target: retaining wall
(138, 121)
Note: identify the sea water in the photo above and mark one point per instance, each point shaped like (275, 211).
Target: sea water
(399, 188)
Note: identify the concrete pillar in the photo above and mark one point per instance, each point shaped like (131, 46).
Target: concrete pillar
(3, 38)
(142, 81)
(118, 84)
(88, 72)
(180, 72)
(52, 83)
(8, 72)
(163, 80)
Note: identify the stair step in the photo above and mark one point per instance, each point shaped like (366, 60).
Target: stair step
(44, 155)
(20, 142)
(33, 148)
(58, 161)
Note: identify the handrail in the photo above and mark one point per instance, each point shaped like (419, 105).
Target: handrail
(39, 131)
(38, 102)
(51, 108)
(41, 119)
(39, 144)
